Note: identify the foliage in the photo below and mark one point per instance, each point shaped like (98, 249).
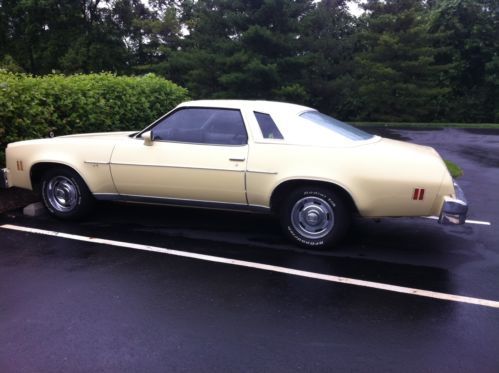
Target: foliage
(396, 67)
(240, 49)
(9, 64)
(33, 107)
(328, 36)
(470, 42)
(402, 60)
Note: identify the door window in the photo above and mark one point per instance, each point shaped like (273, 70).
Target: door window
(202, 126)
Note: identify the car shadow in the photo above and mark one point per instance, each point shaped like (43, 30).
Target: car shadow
(407, 252)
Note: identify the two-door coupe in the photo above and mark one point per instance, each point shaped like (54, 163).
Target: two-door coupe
(312, 170)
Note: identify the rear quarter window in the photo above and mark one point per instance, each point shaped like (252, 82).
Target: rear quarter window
(336, 126)
(267, 126)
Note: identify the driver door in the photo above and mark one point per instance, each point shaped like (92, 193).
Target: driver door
(196, 154)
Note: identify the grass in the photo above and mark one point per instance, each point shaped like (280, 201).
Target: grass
(426, 125)
(454, 169)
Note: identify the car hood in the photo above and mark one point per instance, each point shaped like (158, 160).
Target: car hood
(100, 136)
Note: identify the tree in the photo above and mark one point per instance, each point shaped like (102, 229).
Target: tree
(470, 42)
(241, 49)
(150, 31)
(402, 60)
(99, 45)
(398, 76)
(328, 41)
(47, 35)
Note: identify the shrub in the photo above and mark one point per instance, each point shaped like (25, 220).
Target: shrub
(33, 107)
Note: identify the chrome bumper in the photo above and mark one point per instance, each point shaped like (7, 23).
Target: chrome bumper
(4, 178)
(454, 210)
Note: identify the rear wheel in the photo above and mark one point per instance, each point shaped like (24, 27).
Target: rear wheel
(315, 217)
(65, 194)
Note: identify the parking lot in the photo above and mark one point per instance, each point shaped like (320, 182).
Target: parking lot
(157, 295)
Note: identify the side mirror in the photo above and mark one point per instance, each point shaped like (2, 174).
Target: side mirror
(148, 139)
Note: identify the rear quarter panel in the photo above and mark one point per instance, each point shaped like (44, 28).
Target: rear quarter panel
(380, 176)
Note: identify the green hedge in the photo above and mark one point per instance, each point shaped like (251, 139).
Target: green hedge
(33, 107)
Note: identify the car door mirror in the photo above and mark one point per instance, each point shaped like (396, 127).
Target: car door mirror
(148, 138)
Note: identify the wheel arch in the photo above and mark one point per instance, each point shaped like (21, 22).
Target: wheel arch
(38, 169)
(280, 192)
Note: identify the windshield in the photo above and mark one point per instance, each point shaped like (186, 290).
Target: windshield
(336, 125)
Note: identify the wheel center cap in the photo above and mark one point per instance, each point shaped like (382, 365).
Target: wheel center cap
(312, 218)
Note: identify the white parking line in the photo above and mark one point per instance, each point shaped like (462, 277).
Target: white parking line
(265, 267)
(467, 221)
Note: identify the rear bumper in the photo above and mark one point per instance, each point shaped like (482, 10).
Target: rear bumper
(454, 210)
(4, 178)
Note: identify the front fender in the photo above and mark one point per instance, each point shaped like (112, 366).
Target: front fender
(92, 166)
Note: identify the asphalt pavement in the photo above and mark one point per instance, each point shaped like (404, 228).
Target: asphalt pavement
(78, 306)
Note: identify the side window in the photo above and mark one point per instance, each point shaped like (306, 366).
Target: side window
(203, 126)
(268, 126)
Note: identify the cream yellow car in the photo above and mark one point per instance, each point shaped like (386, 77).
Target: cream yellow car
(310, 169)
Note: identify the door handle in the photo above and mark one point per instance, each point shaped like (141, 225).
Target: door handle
(237, 159)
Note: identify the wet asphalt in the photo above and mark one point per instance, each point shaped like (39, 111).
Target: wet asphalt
(79, 307)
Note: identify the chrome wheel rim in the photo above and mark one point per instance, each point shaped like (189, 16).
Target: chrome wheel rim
(62, 193)
(312, 217)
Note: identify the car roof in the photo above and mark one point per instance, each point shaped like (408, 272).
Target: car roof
(255, 105)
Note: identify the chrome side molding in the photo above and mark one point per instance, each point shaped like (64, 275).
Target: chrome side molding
(181, 202)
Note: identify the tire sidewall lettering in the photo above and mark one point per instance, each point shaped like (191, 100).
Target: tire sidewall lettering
(321, 195)
(339, 209)
(303, 241)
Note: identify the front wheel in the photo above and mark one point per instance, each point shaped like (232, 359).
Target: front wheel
(315, 217)
(65, 194)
